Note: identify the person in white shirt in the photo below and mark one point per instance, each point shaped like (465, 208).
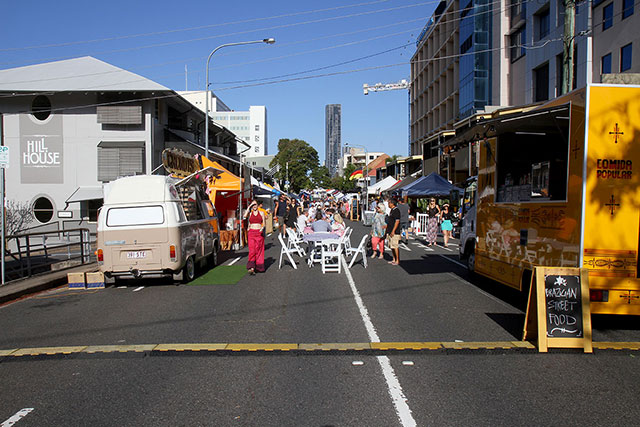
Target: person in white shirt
(302, 220)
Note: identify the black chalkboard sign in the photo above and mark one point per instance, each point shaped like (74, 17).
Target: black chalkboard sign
(563, 298)
(558, 312)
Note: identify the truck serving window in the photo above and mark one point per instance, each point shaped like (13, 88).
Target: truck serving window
(532, 166)
(142, 215)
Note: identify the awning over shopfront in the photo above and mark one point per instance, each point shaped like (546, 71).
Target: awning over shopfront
(83, 194)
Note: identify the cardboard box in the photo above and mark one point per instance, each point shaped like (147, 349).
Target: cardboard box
(95, 280)
(76, 280)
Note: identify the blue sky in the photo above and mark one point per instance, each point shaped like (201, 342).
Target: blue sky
(366, 41)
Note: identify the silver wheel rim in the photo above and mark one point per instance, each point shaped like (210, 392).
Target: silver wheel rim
(190, 268)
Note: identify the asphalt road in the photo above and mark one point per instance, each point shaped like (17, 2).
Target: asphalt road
(428, 298)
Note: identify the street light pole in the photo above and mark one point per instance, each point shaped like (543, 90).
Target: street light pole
(206, 92)
(366, 176)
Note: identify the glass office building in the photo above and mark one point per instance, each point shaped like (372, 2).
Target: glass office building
(475, 57)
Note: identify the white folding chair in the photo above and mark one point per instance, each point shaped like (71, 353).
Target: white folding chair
(294, 242)
(285, 250)
(300, 230)
(331, 256)
(346, 238)
(360, 250)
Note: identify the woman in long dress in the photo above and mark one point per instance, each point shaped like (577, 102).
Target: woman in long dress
(256, 239)
(433, 216)
(378, 231)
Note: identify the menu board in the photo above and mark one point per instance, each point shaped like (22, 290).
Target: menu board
(563, 298)
(558, 312)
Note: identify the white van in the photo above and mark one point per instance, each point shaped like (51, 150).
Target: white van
(156, 226)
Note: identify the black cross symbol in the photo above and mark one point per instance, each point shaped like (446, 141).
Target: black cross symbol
(616, 132)
(612, 204)
(575, 152)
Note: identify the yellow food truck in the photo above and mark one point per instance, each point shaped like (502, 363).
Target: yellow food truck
(559, 185)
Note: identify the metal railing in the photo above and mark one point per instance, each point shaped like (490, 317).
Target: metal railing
(30, 254)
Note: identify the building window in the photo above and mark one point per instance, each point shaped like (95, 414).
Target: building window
(605, 64)
(41, 107)
(607, 16)
(625, 58)
(541, 83)
(542, 20)
(42, 209)
(118, 159)
(517, 42)
(627, 8)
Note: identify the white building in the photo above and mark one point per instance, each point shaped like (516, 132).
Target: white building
(73, 125)
(357, 157)
(250, 126)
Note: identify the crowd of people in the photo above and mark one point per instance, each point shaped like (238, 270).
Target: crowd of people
(390, 223)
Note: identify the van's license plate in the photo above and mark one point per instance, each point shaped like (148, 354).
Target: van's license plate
(136, 255)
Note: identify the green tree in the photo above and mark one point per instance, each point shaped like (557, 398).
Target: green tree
(297, 159)
(343, 183)
(392, 159)
(320, 177)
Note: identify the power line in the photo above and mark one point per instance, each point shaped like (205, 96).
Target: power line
(157, 33)
(276, 27)
(180, 61)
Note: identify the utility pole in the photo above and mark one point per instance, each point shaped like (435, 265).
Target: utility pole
(569, 38)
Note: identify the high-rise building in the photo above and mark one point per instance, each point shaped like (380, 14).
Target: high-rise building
(332, 137)
(249, 126)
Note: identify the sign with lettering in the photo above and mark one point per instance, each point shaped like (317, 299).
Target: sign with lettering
(179, 163)
(558, 312)
(41, 150)
(4, 157)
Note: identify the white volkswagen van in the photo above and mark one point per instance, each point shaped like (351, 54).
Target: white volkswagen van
(156, 226)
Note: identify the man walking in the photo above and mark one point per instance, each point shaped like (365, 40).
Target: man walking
(393, 230)
(404, 220)
(281, 213)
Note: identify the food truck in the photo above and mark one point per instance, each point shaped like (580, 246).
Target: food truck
(157, 226)
(556, 186)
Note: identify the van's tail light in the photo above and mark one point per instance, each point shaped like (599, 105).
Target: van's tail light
(172, 252)
(100, 255)
(599, 295)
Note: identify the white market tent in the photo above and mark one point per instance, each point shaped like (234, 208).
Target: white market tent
(381, 186)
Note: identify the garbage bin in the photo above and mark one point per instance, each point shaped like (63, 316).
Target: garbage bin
(367, 217)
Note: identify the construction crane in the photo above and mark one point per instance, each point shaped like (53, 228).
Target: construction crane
(380, 87)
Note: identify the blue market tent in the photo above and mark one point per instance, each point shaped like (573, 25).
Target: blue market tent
(432, 185)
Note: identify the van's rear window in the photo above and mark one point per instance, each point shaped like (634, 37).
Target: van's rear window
(143, 215)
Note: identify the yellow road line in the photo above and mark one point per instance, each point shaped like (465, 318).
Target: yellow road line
(190, 347)
(139, 348)
(406, 345)
(37, 351)
(617, 345)
(307, 347)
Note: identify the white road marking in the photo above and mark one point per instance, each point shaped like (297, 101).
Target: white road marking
(405, 247)
(234, 261)
(453, 261)
(16, 417)
(395, 389)
(139, 288)
(122, 287)
(486, 294)
(446, 249)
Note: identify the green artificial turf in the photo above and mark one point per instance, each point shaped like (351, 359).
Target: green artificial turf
(221, 275)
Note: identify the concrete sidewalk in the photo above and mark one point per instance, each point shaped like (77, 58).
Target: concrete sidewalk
(18, 288)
